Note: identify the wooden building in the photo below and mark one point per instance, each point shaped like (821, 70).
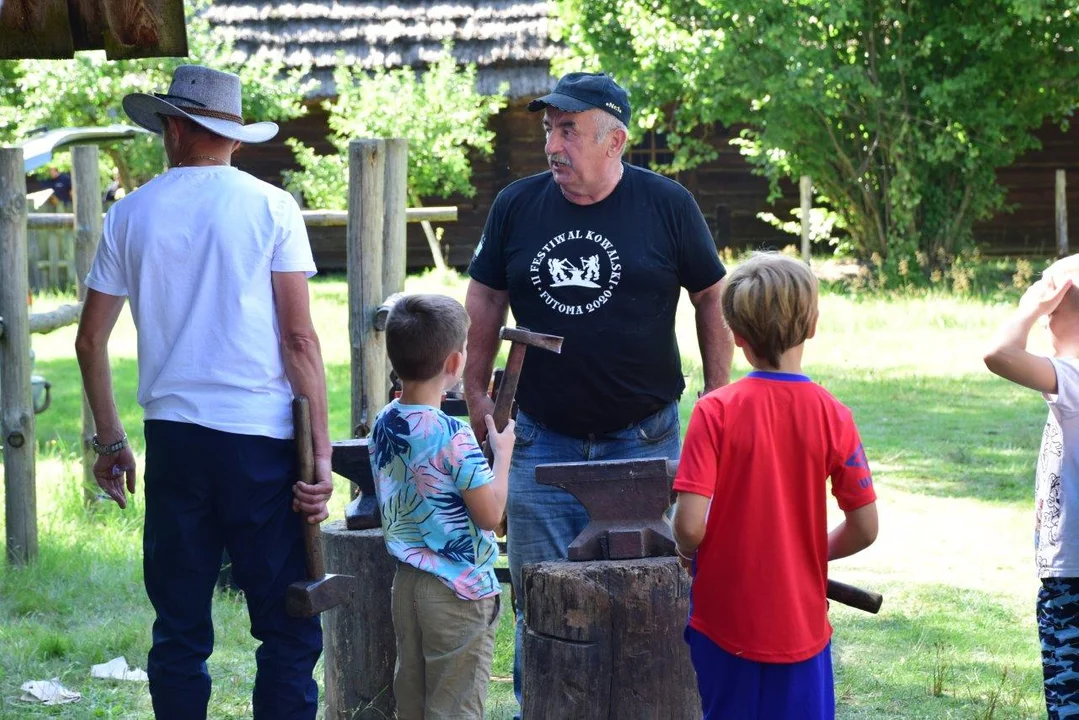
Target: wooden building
(508, 41)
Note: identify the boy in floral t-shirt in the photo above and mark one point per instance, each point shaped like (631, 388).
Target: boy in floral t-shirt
(439, 501)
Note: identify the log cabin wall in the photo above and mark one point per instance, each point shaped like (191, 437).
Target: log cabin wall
(727, 191)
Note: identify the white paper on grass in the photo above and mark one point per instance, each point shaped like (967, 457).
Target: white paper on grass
(117, 669)
(48, 692)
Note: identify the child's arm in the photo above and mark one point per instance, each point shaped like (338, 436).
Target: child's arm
(1008, 356)
(487, 503)
(690, 517)
(855, 533)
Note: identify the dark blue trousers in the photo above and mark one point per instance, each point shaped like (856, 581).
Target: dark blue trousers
(207, 490)
(733, 688)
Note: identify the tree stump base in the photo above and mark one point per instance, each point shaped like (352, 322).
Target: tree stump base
(360, 648)
(603, 641)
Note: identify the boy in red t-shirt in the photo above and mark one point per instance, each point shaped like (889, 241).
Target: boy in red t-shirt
(751, 519)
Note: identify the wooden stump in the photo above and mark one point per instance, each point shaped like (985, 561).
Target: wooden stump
(358, 638)
(603, 640)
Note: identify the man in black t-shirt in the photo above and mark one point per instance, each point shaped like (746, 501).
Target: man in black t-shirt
(597, 251)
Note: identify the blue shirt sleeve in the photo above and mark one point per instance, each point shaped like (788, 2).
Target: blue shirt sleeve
(469, 468)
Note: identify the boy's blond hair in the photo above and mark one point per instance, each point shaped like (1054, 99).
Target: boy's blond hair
(421, 332)
(770, 301)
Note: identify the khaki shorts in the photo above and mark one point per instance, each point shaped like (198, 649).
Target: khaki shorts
(444, 648)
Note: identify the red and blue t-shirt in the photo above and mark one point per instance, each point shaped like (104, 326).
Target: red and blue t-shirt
(763, 449)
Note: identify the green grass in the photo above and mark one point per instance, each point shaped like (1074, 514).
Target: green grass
(953, 450)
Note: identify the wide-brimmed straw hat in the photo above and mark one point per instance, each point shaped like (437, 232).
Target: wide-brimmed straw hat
(210, 98)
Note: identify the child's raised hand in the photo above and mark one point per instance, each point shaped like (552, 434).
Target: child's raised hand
(501, 442)
(1042, 297)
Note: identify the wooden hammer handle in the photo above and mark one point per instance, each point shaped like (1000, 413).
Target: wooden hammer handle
(305, 462)
(855, 597)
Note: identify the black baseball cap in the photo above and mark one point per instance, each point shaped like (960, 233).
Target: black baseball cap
(579, 91)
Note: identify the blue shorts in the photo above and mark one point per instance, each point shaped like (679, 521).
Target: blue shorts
(735, 688)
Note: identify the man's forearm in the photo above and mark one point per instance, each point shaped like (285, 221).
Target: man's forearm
(487, 311)
(302, 356)
(97, 382)
(716, 344)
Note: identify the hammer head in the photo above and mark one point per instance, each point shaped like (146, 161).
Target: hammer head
(308, 598)
(527, 337)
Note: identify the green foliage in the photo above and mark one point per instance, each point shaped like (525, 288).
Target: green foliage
(900, 110)
(88, 91)
(439, 112)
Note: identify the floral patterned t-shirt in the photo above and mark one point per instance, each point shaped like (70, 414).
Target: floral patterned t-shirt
(422, 459)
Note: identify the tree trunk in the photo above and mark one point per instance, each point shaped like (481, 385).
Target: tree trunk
(603, 641)
(358, 638)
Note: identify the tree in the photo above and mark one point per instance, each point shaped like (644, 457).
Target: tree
(89, 89)
(900, 110)
(438, 111)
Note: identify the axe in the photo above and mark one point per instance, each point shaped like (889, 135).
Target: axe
(306, 598)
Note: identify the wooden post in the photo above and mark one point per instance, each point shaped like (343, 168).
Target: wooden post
(394, 229)
(16, 409)
(1062, 214)
(603, 639)
(366, 219)
(86, 187)
(359, 642)
(805, 191)
(395, 236)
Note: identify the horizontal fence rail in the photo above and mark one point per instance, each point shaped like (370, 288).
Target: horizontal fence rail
(313, 218)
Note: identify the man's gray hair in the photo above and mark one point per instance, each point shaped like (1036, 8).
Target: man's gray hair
(607, 124)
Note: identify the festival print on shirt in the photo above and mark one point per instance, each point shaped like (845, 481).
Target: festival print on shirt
(576, 272)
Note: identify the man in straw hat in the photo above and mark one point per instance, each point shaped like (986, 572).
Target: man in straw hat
(215, 264)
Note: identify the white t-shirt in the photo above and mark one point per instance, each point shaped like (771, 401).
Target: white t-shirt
(194, 250)
(1056, 496)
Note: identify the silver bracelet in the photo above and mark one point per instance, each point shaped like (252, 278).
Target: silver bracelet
(683, 556)
(110, 449)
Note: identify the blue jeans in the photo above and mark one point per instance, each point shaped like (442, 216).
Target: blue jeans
(207, 490)
(544, 520)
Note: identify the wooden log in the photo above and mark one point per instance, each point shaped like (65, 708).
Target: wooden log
(603, 641)
(86, 187)
(805, 192)
(312, 218)
(46, 322)
(50, 221)
(335, 218)
(1062, 213)
(394, 229)
(366, 187)
(360, 648)
(16, 407)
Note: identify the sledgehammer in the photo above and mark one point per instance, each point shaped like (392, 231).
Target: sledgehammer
(520, 338)
(320, 591)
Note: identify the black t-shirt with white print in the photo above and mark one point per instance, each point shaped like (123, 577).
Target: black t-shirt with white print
(607, 278)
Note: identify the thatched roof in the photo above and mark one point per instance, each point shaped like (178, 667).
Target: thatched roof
(507, 39)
